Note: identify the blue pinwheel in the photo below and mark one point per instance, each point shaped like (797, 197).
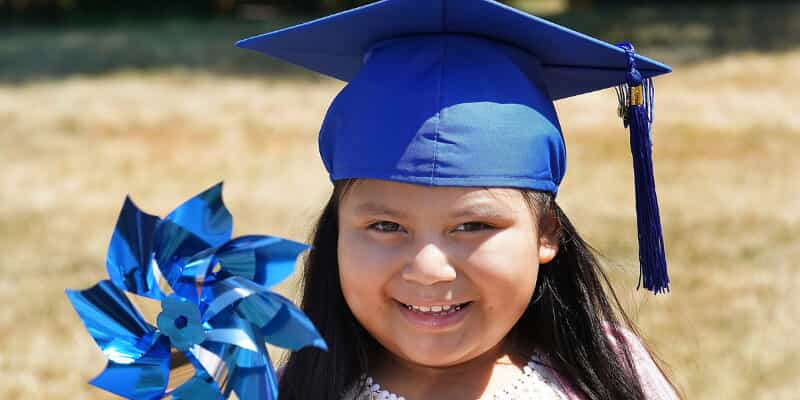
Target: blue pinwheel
(217, 311)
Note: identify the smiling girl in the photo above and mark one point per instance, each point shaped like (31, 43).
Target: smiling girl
(460, 293)
(442, 267)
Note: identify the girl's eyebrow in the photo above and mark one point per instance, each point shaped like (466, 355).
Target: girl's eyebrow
(477, 210)
(481, 210)
(371, 208)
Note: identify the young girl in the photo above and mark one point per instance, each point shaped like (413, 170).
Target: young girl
(521, 288)
(442, 267)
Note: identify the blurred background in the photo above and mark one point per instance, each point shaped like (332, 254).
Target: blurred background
(100, 99)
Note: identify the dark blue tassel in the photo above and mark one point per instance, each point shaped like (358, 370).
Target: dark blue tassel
(636, 108)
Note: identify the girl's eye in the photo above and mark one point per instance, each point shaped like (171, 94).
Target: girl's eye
(473, 226)
(386, 226)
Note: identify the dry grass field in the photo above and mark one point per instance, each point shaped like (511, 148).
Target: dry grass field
(726, 141)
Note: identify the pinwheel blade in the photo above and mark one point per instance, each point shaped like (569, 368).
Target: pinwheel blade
(240, 338)
(144, 379)
(289, 328)
(205, 216)
(197, 388)
(250, 375)
(256, 383)
(113, 322)
(266, 260)
(228, 292)
(280, 321)
(185, 240)
(131, 251)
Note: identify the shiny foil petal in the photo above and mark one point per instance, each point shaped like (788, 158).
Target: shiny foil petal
(175, 247)
(228, 292)
(197, 389)
(265, 260)
(130, 253)
(231, 329)
(144, 379)
(290, 328)
(205, 216)
(118, 328)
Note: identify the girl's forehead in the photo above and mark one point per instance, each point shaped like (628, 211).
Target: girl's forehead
(364, 193)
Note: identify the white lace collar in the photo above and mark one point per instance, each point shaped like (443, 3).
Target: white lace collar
(536, 382)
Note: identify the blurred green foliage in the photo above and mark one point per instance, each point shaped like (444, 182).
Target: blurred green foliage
(118, 40)
(50, 12)
(60, 9)
(676, 34)
(54, 10)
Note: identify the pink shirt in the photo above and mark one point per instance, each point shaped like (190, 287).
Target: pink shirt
(654, 385)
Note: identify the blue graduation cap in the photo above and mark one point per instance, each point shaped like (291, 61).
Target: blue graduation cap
(460, 93)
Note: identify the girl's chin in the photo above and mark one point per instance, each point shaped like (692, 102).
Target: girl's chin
(433, 357)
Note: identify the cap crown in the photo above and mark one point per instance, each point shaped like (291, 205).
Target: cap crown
(445, 110)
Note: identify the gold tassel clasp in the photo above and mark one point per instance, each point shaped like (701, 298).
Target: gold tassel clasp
(636, 96)
(629, 97)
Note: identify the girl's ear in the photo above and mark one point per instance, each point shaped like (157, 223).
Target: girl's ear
(548, 238)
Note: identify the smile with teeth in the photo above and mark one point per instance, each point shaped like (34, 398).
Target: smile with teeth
(436, 310)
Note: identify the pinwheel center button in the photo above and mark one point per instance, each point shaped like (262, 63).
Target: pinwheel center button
(181, 322)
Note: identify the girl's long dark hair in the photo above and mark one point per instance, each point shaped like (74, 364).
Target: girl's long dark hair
(569, 319)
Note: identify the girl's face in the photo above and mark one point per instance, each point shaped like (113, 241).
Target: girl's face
(438, 275)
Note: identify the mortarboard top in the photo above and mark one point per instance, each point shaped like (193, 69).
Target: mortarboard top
(459, 93)
(572, 63)
(387, 123)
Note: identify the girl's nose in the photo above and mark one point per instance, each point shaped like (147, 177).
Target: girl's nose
(429, 266)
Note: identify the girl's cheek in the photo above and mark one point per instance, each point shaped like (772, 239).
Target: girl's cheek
(362, 251)
(504, 269)
(366, 269)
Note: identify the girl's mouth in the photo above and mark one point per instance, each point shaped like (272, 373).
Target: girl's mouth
(434, 316)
